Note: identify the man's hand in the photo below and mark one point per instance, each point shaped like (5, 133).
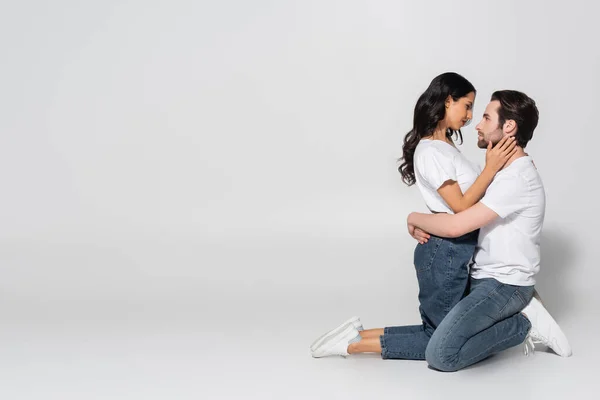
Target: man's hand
(421, 236)
(418, 234)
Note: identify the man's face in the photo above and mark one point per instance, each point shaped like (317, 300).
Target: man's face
(489, 128)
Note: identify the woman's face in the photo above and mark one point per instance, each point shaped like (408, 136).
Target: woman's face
(459, 112)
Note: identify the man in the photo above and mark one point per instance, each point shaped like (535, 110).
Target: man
(500, 311)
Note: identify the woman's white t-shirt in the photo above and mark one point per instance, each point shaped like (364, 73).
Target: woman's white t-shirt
(436, 162)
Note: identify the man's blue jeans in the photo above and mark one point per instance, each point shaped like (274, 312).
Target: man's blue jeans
(485, 322)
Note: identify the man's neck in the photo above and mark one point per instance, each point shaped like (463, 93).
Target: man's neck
(520, 153)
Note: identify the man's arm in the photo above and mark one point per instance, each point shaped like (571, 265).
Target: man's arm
(453, 225)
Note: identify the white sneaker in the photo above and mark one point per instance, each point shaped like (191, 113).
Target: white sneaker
(337, 344)
(354, 321)
(544, 330)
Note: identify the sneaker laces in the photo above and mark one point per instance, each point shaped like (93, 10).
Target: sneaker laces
(528, 346)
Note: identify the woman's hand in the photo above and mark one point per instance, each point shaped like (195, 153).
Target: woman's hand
(496, 157)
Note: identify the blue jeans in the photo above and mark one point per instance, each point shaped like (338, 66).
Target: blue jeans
(443, 274)
(486, 321)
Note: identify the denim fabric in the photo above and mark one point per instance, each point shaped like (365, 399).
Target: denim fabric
(443, 274)
(486, 321)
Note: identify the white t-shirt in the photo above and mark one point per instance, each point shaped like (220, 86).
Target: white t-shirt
(508, 249)
(435, 162)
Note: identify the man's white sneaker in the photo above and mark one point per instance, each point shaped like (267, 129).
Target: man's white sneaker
(337, 345)
(354, 321)
(544, 330)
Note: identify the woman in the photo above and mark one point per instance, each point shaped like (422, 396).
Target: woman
(448, 183)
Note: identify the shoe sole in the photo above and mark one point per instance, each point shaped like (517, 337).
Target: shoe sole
(354, 321)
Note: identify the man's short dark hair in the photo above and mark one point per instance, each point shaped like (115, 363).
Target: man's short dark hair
(520, 108)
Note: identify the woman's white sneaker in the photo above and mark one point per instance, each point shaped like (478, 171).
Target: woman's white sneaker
(337, 344)
(355, 321)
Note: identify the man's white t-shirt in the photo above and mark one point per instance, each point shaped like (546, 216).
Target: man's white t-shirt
(436, 162)
(508, 249)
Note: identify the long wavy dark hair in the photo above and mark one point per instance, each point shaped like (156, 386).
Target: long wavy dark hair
(429, 111)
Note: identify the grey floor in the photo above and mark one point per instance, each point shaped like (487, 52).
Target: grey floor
(188, 319)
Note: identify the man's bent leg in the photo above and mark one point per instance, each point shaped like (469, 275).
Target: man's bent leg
(483, 323)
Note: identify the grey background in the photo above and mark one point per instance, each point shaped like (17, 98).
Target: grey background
(194, 191)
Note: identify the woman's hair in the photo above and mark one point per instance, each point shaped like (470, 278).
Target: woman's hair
(429, 111)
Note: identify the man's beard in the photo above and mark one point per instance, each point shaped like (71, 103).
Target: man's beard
(482, 143)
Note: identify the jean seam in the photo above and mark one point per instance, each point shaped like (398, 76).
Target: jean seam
(391, 354)
(445, 337)
(522, 299)
(447, 281)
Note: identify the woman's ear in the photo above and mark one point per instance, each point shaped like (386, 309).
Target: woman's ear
(448, 101)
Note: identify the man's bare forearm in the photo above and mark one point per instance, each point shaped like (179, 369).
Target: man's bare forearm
(442, 225)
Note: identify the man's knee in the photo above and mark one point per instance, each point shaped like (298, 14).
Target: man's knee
(438, 358)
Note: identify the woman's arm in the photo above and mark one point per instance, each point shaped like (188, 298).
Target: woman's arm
(495, 159)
